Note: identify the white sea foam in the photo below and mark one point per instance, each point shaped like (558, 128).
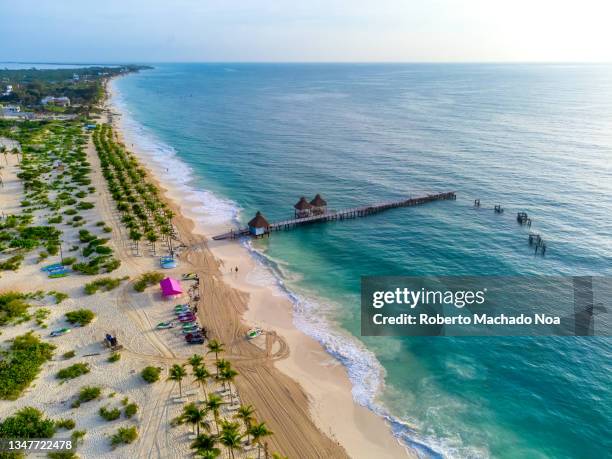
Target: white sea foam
(314, 317)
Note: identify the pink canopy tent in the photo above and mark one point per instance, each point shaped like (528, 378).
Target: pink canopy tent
(170, 287)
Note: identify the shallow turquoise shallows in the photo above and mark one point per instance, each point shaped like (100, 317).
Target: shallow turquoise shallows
(529, 137)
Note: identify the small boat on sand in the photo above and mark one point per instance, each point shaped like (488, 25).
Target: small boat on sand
(254, 333)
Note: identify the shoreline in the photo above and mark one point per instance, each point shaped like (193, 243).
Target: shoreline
(361, 432)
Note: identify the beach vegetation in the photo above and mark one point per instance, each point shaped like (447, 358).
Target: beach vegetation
(105, 283)
(68, 261)
(67, 424)
(80, 317)
(205, 445)
(87, 394)
(150, 374)
(21, 363)
(68, 355)
(73, 371)
(259, 431)
(147, 279)
(114, 357)
(194, 415)
(109, 414)
(177, 373)
(124, 435)
(77, 436)
(40, 315)
(130, 410)
(11, 264)
(13, 306)
(28, 422)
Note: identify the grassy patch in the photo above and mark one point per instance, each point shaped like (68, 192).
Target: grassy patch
(67, 424)
(114, 357)
(73, 371)
(130, 410)
(105, 283)
(147, 279)
(150, 374)
(68, 355)
(87, 394)
(12, 306)
(124, 435)
(28, 422)
(21, 363)
(80, 317)
(110, 414)
(12, 264)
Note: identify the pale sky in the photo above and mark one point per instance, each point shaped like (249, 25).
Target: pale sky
(306, 30)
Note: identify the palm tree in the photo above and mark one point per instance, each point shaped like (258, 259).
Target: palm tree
(195, 361)
(245, 414)
(227, 376)
(215, 347)
(135, 236)
(222, 365)
(177, 373)
(152, 238)
(279, 456)
(205, 446)
(259, 432)
(213, 403)
(194, 415)
(201, 375)
(230, 438)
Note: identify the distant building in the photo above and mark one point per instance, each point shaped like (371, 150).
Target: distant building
(59, 101)
(319, 205)
(258, 226)
(14, 112)
(302, 208)
(75, 77)
(8, 90)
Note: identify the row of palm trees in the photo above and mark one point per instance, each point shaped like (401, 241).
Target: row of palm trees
(233, 434)
(143, 213)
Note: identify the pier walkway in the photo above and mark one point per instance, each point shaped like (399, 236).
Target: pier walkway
(344, 214)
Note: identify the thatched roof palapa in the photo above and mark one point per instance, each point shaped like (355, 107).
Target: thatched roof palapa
(302, 204)
(259, 221)
(318, 201)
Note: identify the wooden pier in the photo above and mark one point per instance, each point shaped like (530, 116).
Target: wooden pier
(344, 214)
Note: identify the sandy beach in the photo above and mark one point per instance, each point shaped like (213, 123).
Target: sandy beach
(318, 383)
(301, 392)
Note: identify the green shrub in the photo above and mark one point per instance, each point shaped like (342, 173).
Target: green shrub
(86, 268)
(73, 371)
(68, 261)
(59, 296)
(105, 283)
(12, 264)
(114, 357)
(68, 355)
(124, 435)
(20, 365)
(84, 205)
(41, 314)
(111, 265)
(147, 279)
(110, 415)
(62, 455)
(67, 424)
(54, 220)
(150, 374)
(107, 229)
(28, 422)
(130, 410)
(12, 307)
(100, 223)
(86, 394)
(70, 212)
(80, 316)
(77, 436)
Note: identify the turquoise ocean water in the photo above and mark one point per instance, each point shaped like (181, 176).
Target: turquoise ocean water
(245, 137)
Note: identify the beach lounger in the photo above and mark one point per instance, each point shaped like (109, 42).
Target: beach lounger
(52, 267)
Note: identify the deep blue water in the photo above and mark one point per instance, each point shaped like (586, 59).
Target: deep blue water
(530, 137)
